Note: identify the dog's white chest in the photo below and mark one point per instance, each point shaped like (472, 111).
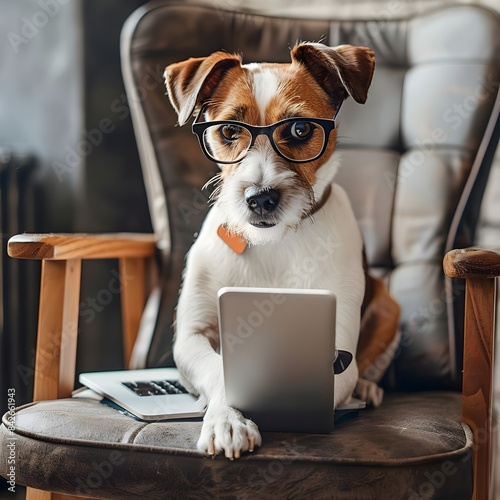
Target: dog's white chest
(295, 262)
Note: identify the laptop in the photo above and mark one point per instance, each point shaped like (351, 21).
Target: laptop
(279, 357)
(151, 394)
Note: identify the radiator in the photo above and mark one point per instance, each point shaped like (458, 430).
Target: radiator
(20, 279)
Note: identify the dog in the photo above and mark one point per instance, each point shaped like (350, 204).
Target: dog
(270, 128)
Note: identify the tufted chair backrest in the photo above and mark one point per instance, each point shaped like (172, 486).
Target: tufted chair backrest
(415, 157)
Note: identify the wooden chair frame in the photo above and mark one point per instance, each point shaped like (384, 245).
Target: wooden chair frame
(62, 255)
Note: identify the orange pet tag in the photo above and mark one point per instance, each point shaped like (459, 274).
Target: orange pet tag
(235, 242)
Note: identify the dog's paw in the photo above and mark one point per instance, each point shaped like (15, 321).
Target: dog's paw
(227, 430)
(369, 392)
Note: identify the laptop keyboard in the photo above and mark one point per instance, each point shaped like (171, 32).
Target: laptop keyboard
(156, 388)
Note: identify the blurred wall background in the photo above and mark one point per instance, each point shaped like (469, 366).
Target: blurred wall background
(64, 123)
(41, 116)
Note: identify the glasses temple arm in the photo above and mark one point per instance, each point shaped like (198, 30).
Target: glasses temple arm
(338, 109)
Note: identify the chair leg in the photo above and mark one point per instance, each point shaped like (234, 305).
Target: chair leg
(478, 377)
(56, 339)
(32, 494)
(133, 293)
(57, 329)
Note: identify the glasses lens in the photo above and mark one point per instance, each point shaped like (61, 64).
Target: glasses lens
(227, 142)
(299, 141)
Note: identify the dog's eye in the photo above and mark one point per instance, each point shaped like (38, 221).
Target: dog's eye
(301, 130)
(230, 133)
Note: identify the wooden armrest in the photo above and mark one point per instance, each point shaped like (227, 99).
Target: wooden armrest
(472, 263)
(81, 246)
(477, 266)
(61, 256)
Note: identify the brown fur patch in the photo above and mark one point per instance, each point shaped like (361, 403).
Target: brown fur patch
(379, 325)
(211, 332)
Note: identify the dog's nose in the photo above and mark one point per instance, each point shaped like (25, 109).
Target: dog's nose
(262, 202)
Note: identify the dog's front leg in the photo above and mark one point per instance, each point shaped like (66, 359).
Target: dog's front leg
(224, 428)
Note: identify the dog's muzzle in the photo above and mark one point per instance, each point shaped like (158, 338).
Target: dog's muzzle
(263, 203)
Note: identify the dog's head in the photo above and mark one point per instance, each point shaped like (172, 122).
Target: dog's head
(267, 150)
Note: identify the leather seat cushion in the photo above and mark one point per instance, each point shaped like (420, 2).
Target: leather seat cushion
(413, 446)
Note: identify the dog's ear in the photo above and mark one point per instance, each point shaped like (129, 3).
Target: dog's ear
(190, 83)
(342, 71)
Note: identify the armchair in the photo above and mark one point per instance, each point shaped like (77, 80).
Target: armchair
(415, 162)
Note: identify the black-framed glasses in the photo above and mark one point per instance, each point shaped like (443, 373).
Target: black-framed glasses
(299, 140)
